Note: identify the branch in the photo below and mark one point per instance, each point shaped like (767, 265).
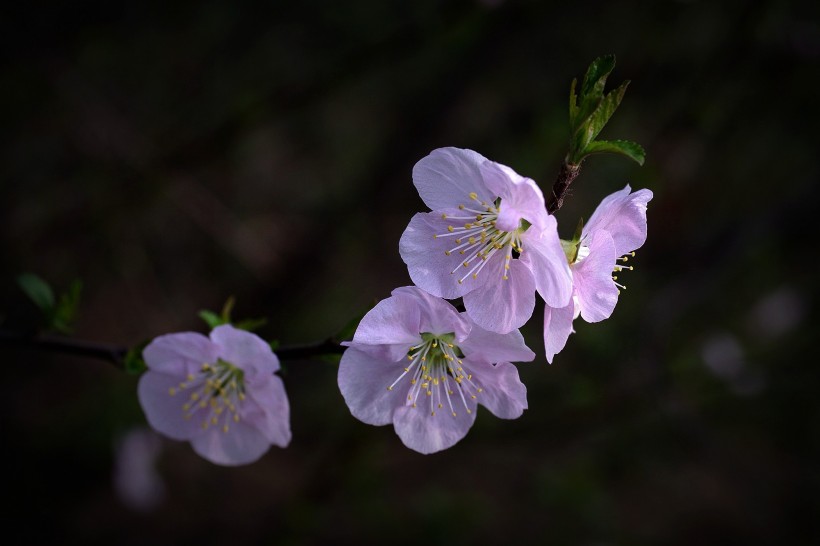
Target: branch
(114, 354)
(567, 174)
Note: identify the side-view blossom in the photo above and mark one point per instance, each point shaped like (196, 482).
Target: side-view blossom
(218, 392)
(418, 363)
(488, 239)
(615, 230)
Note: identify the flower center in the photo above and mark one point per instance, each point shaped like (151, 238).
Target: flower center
(435, 369)
(216, 388)
(576, 252)
(480, 238)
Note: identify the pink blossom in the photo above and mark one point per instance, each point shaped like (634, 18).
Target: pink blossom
(488, 239)
(421, 365)
(616, 228)
(219, 393)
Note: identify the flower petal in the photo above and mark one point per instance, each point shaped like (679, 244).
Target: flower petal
(363, 381)
(242, 444)
(427, 433)
(520, 197)
(427, 262)
(543, 254)
(437, 315)
(596, 291)
(389, 329)
(502, 305)
(502, 393)
(244, 349)
(179, 354)
(446, 177)
(162, 410)
(623, 215)
(557, 328)
(268, 409)
(491, 347)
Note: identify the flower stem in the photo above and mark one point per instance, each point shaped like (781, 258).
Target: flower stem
(115, 354)
(567, 174)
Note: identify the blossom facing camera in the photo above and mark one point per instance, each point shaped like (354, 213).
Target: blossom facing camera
(418, 363)
(219, 393)
(615, 230)
(488, 239)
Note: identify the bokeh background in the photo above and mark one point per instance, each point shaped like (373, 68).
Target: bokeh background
(173, 155)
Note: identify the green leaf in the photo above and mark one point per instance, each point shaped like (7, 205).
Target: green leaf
(38, 291)
(630, 149)
(133, 362)
(211, 319)
(599, 117)
(347, 331)
(227, 309)
(331, 358)
(592, 90)
(251, 324)
(66, 310)
(573, 104)
(595, 78)
(274, 344)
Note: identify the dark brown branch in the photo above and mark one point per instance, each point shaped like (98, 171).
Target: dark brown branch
(115, 354)
(559, 189)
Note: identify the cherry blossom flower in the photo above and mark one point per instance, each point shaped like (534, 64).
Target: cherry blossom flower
(418, 363)
(488, 239)
(616, 228)
(219, 393)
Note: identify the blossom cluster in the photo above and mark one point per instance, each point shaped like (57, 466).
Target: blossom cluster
(416, 361)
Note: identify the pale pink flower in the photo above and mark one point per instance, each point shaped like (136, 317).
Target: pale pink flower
(418, 363)
(489, 240)
(615, 230)
(219, 393)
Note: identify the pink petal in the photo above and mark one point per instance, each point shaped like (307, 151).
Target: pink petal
(491, 347)
(502, 305)
(429, 266)
(244, 349)
(543, 255)
(242, 444)
(596, 291)
(520, 197)
(267, 409)
(389, 329)
(426, 433)
(164, 411)
(437, 315)
(502, 393)
(557, 328)
(446, 177)
(179, 354)
(363, 381)
(623, 215)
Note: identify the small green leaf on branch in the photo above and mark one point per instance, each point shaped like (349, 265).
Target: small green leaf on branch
(630, 149)
(38, 291)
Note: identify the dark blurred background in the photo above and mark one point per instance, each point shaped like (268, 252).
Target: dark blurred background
(172, 156)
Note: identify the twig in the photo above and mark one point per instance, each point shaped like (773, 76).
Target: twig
(567, 174)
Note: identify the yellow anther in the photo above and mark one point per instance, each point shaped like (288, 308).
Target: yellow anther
(435, 236)
(235, 417)
(632, 254)
(409, 397)
(412, 381)
(172, 391)
(472, 396)
(461, 207)
(425, 385)
(473, 195)
(458, 241)
(390, 388)
(407, 369)
(470, 376)
(506, 266)
(194, 396)
(505, 277)
(432, 414)
(440, 406)
(190, 377)
(225, 429)
(203, 403)
(429, 393)
(461, 252)
(206, 367)
(449, 392)
(472, 240)
(414, 404)
(459, 281)
(478, 217)
(480, 390)
(186, 406)
(468, 225)
(450, 229)
(469, 411)
(241, 395)
(205, 425)
(214, 420)
(435, 381)
(466, 264)
(409, 357)
(435, 344)
(443, 216)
